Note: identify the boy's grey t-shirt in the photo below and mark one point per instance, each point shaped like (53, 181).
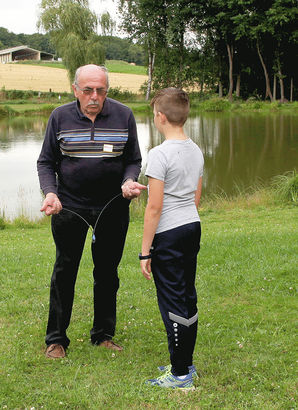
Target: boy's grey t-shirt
(179, 164)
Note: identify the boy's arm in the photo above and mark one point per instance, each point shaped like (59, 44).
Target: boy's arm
(151, 220)
(198, 192)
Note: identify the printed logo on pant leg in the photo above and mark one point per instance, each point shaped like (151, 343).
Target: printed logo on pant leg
(183, 320)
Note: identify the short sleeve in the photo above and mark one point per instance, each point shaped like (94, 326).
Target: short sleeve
(156, 165)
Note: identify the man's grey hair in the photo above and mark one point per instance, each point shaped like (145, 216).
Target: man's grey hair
(101, 67)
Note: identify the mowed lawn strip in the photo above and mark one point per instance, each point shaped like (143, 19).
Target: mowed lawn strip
(244, 354)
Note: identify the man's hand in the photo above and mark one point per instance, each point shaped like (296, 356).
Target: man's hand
(131, 189)
(51, 204)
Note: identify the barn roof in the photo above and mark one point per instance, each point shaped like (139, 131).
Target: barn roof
(19, 48)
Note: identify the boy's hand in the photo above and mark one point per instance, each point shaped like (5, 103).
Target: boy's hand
(146, 268)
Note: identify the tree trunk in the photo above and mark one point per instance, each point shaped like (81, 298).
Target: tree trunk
(181, 53)
(202, 84)
(268, 89)
(150, 73)
(274, 87)
(238, 86)
(281, 84)
(291, 90)
(220, 91)
(230, 54)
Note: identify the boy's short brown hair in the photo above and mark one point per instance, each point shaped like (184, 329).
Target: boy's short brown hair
(174, 103)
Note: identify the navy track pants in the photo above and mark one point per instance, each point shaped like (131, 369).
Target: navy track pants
(174, 262)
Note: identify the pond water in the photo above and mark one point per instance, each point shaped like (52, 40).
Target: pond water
(239, 150)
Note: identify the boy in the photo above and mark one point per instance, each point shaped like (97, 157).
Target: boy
(172, 231)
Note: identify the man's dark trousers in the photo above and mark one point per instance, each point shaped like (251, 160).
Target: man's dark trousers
(174, 262)
(69, 233)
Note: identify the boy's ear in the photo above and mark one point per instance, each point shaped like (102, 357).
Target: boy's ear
(162, 117)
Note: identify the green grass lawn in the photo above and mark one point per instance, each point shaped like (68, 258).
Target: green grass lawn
(32, 108)
(245, 351)
(118, 66)
(114, 66)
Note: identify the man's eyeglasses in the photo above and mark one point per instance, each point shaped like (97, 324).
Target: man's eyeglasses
(90, 91)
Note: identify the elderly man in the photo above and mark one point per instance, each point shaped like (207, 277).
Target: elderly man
(90, 154)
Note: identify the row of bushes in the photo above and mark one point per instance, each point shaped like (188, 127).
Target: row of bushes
(23, 96)
(213, 103)
(30, 94)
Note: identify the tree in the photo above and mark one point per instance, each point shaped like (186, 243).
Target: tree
(107, 24)
(282, 25)
(161, 26)
(142, 20)
(8, 38)
(243, 40)
(72, 28)
(270, 26)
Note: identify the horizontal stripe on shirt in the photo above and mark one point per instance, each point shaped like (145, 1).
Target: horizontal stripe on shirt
(104, 142)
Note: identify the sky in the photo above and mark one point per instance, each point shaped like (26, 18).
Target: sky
(20, 16)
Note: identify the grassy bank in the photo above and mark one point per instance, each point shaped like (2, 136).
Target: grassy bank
(211, 103)
(138, 104)
(246, 301)
(18, 109)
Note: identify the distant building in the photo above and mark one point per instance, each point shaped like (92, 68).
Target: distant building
(23, 53)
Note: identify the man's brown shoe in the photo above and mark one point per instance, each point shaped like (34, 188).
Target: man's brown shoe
(55, 351)
(109, 344)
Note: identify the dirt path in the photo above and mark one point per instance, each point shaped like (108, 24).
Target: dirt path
(29, 77)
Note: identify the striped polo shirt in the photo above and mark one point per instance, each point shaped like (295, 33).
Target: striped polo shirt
(85, 163)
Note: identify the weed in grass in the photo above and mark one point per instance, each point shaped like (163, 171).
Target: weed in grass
(24, 222)
(286, 186)
(2, 223)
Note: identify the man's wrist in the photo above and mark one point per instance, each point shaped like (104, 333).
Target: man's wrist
(127, 180)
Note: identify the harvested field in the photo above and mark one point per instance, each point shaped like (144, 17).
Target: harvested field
(30, 77)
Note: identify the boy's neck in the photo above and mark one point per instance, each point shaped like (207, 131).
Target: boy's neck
(174, 133)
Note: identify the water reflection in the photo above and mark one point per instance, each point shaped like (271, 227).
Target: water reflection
(20, 143)
(238, 149)
(243, 149)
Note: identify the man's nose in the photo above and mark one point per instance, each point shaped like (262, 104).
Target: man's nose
(94, 92)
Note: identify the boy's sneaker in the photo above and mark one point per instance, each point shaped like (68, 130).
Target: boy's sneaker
(168, 380)
(192, 369)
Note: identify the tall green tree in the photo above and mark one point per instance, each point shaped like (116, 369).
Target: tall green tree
(239, 42)
(161, 25)
(252, 22)
(143, 21)
(282, 19)
(72, 28)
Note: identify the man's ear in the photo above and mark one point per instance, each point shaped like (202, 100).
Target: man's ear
(75, 91)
